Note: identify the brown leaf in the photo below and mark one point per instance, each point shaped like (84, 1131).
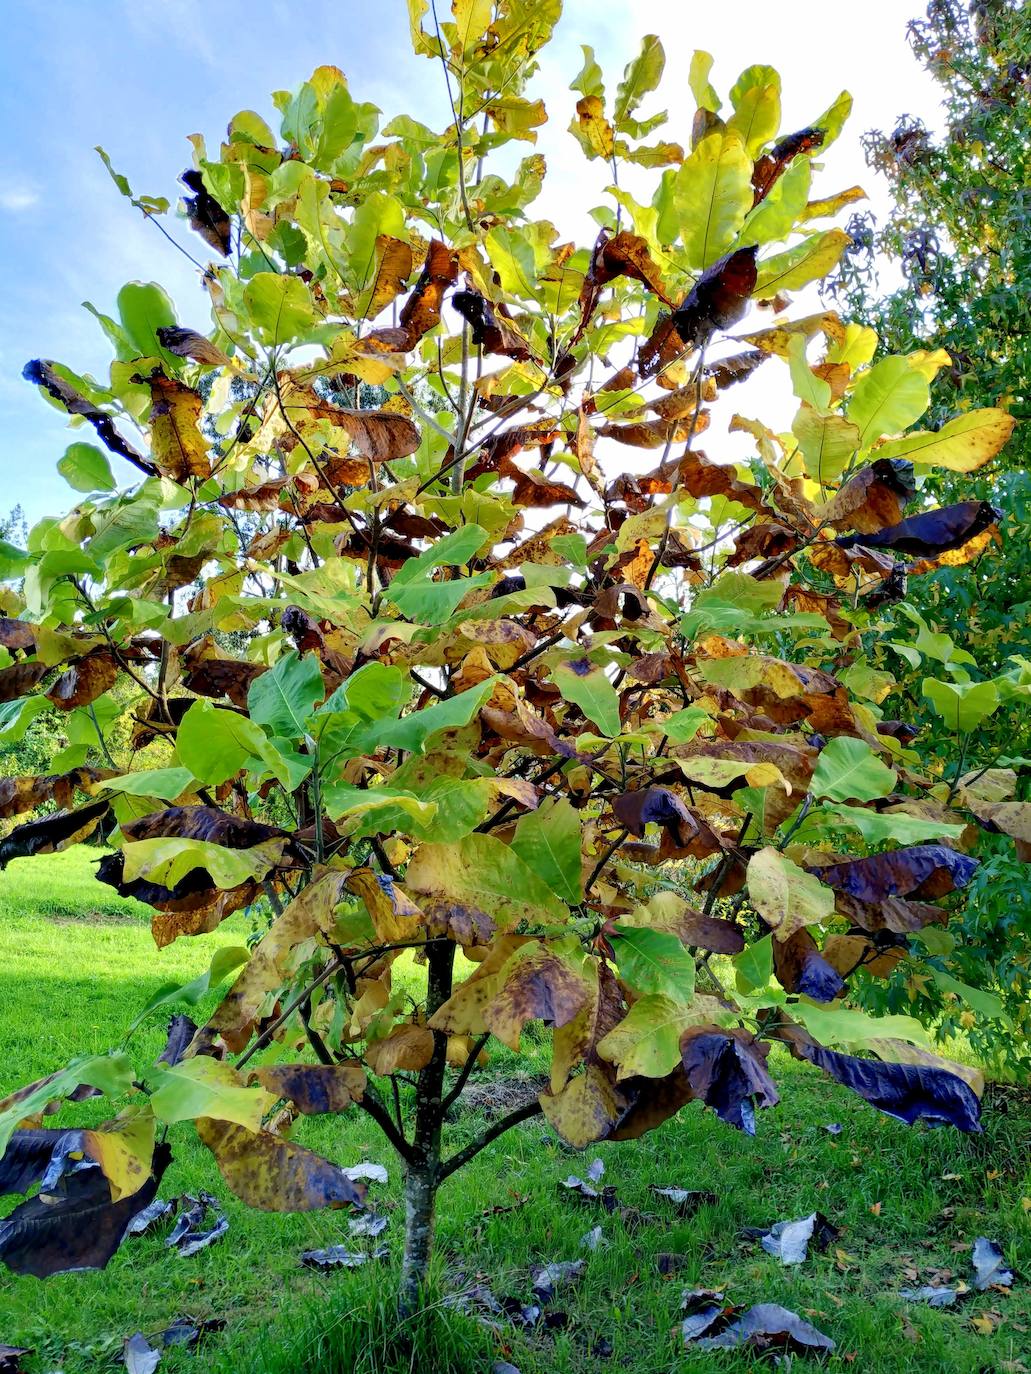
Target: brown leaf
(223, 677)
(393, 268)
(84, 680)
(52, 833)
(17, 635)
(314, 1089)
(205, 214)
(187, 343)
(406, 1047)
(200, 823)
(19, 679)
(421, 311)
(772, 165)
(25, 794)
(194, 906)
(491, 331)
(875, 497)
(379, 435)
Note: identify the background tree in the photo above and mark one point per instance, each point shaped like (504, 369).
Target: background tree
(501, 732)
(960, 233)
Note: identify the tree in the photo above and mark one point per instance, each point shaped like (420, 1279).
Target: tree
(509, 709)
(960, 231)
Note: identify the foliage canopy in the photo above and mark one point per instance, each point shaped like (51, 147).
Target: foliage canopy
(589, 732)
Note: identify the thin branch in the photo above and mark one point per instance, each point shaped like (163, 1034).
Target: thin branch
(266, 1036)
(457, 1161)
(373, 1107)
(463, 1076)
(610, 850)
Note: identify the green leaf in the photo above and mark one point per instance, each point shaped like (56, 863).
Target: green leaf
(698, 79)
(144, 307)
(223, 962)
(797, 267)
(786, 896)
(280, 307)
(827, 442)
(452, 551)
(755, 97)
(888, 398)
(16, 716)
(963, 706)
(431, 603)
(647, 1040)
(654, 961)
(877, 827)
(483, 872)
(849, 1026)
(548, 841)
(86, 468)
(963, 445)
(586, 686)
(711, 195)
(813, 390)
(164, 783)
(984, 1003)
(589, 79)
(849, 770)
(213, 744)
(412, 731)
(109, 1073)
(754, 965)
(203, 1086)
(284, 698)
(640, 77)
(169, 859)
(682, 726)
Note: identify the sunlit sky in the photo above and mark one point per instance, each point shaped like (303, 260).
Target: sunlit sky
(137, 76)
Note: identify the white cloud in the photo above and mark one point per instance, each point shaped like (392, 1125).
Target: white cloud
(18, 198)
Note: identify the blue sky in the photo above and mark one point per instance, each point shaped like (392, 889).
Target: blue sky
(137, 76)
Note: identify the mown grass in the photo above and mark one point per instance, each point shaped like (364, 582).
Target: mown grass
(76, 962)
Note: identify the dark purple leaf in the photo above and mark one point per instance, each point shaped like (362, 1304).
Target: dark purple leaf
(75, 1227)
(788, 1241)
(657, 806)
(339, 1257)
(546, 1278)
(181, 1031)
(909, 1092)
(27, 1157)
(728, 1075)
(205, 214)
(769, 1325)
(931, 533)
(684, 1201)
(43, 373)
(719, 298)
(11, 1358)
(922, 871)
(193, 1231)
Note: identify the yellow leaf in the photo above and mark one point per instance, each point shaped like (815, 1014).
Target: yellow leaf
(963, 445)
(786, 896)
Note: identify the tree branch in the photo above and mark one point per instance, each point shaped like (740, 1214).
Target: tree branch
(523, 1113)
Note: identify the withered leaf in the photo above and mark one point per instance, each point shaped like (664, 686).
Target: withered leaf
(766, 1326)
(921, 871)
(658, 806)
(491, 331)
(728, 1073)
(51, 833)
(84, 680)
(180, 449)
(187, 343)
(910, 1092)
(931, 533)
(205, 214)
(718, 299)
(314, 1088)
(76, 1226)
(273, 1174)
(43, 373)
(421, 311)
(181, 1031)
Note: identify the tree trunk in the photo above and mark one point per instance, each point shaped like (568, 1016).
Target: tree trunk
(423, 1175)
(420, 1198)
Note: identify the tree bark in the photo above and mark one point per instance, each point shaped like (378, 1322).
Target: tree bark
(423, 1173)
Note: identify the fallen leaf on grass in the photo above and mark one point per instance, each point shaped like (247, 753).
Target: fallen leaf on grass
(368, 1224)
(788, 1241)
(375, 1173)
(704, 1307)
(834, 1128)
(11, 1358)
(192, 1231)
(339, 1257)
(685, 1201)
(767, 1325)
(984, 1323)
(547, 1277)
(989, 1264)
(931, 1294)
(154, 1212)
(594, 1238)
(188, 1333)
(140, 1355)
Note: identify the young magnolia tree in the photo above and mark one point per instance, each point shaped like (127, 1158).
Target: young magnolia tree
(565, 733)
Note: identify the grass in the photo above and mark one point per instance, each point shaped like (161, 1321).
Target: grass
(78, 962)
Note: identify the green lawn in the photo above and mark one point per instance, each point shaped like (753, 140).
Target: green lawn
(77, 962)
